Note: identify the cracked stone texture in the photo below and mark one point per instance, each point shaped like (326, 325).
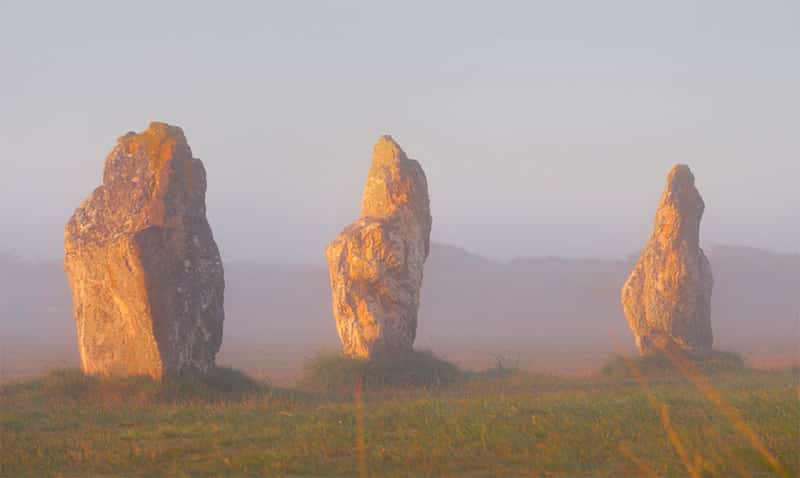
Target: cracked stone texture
(667, 297)
(376, 263)
(145, 273)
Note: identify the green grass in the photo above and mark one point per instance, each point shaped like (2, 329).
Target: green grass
(69, 386)
(336, 374)
(660, 365)
(487, 424)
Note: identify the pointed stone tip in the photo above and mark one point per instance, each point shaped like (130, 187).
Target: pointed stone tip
(388, 138)
(681, 198)
(680, 173)
(387, 148)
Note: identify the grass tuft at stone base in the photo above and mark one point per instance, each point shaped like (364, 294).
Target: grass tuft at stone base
(660, 365)
(334, 373)
(72, 385)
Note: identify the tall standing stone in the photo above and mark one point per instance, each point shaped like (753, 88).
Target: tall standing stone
(145, 273)
(667, 297)
(376, 262)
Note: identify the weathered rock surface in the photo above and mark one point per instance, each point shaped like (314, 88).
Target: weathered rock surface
(376, 262)
(145, 273)
(667, 297)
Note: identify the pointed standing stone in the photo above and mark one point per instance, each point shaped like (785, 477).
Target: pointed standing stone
(376, 262)
(145, 273)
(667, 297)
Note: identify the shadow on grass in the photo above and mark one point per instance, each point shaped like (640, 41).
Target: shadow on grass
(660, 365)
(219, 385)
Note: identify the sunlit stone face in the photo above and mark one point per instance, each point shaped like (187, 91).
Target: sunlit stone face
(376, 263)
(145, 273)
(667, 297)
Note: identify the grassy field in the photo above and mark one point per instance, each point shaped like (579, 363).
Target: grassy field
(635, 418)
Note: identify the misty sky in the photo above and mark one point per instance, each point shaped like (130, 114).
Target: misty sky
(544, 128)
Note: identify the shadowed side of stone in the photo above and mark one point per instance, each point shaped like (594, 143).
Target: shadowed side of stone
(145, 273)
(376, 263)
(667, 297)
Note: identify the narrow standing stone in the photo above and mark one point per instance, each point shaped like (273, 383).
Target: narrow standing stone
(376, 262)
(667, 297)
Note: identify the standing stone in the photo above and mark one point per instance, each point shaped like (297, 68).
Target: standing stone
(376, 262)
(667, 298)
(145, 273)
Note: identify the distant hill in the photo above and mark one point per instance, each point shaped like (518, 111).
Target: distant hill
(543, 313)
(558, 313)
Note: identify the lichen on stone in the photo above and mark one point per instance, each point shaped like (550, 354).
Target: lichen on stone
(667, 297)
(376, 263)
(145, 273)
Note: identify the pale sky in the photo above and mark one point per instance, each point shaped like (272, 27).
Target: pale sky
(545, 128)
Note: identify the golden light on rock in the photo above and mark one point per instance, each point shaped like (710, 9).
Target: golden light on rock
(145, 273)
(376, 263)
(667, 297)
